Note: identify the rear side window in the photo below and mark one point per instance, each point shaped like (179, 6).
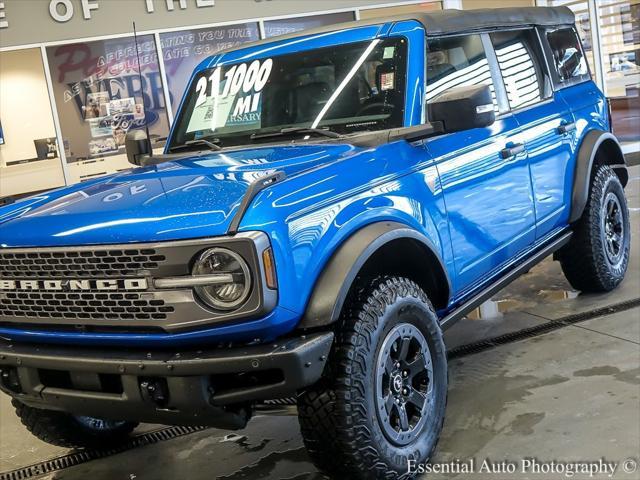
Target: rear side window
(568, 57)
(521, 63)
(457, 62)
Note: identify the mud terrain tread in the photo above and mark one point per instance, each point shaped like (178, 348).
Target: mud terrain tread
(583, 259)
(355, 455)
(60, 429)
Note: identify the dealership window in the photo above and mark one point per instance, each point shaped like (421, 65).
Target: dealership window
(457, 62)
(520, 61)
(386, 12)
(182, 51)
(29, 154)
(283, 26)
(620, 34)
(99, 99)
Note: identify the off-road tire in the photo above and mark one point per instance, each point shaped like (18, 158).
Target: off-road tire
(65, 430)
(340, 426)
(584, 260)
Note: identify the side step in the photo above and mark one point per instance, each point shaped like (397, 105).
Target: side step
(499, 284)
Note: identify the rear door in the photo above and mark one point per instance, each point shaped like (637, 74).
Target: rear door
(484, 173)
(547, 125)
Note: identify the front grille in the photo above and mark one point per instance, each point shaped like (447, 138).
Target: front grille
(111, 288)
(105, 263)
(82, 306)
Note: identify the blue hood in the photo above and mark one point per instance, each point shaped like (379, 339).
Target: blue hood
(194, 197)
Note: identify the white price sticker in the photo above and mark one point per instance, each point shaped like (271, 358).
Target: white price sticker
(241, 93)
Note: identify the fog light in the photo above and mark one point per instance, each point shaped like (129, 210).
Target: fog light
(223, 296)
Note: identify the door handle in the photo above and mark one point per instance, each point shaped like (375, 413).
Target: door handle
(512, 151)
(566, 128)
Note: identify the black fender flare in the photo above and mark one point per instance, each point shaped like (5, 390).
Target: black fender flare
(333, 285)
(584, 164)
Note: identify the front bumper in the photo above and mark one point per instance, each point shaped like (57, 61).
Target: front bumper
(193, 387)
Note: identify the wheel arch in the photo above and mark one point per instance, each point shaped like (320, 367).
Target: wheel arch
(382, 247)
(597, 148)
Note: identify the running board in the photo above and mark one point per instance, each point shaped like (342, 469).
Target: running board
(487, 292)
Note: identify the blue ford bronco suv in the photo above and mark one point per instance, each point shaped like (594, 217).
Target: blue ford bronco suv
(327, 204)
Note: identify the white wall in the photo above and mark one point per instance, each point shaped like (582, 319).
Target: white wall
(25, 114)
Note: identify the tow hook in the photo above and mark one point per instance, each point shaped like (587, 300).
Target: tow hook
(155, 390)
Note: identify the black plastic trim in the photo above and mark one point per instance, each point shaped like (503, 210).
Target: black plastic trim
(331, 289)
(196, 395)
(584, 163)
(256, 187)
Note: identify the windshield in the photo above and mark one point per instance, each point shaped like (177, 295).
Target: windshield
(345, 88)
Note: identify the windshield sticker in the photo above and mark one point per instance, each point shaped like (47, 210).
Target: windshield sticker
(387, 81)
(389, 52)
(231, 100)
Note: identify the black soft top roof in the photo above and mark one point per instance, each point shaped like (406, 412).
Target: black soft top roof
(446, 22)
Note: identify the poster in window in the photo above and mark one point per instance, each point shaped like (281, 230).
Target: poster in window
(96, 106)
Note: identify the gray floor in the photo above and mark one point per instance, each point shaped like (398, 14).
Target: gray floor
(573, 394)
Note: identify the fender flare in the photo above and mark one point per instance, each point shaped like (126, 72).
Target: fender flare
(584, 164)
(337, 277)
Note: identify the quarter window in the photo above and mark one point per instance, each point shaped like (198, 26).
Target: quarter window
(457, 62)
(568, 58)
(520, 60)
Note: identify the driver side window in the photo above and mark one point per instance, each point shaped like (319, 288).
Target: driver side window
(457, 62)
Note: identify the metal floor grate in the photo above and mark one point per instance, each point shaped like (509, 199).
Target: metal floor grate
(83, 456)
(543, 328)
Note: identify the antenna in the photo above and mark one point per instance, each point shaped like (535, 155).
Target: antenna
(144, 107)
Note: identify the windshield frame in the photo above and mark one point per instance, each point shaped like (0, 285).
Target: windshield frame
(282, 48)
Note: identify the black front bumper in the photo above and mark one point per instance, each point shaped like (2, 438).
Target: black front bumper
(195, 387)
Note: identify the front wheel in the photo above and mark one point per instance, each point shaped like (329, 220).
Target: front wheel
(380, 407)
(596, 258)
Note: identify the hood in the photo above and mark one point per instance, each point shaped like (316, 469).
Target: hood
(193, 197)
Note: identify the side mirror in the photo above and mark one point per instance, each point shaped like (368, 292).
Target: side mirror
(138, 147)
(463, 108)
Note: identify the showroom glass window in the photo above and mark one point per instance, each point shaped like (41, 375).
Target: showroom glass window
(620, 33)
(273, 28)
(29, 152)
(457, 62)
(522, 63)
(382, 12)
(182, 51)
(99, 99)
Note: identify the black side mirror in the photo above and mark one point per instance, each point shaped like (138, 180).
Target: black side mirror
(138, 147)
(463, 108)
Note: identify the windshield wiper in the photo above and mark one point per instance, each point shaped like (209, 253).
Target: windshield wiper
(210, 144)
(295, 131)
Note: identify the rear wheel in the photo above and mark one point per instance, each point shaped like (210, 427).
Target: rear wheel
(382, 403)
(596, 258)
(72, 431)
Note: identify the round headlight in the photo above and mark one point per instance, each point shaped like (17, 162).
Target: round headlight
(233, 291)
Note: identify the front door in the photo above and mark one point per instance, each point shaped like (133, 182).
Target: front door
(484, 172)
